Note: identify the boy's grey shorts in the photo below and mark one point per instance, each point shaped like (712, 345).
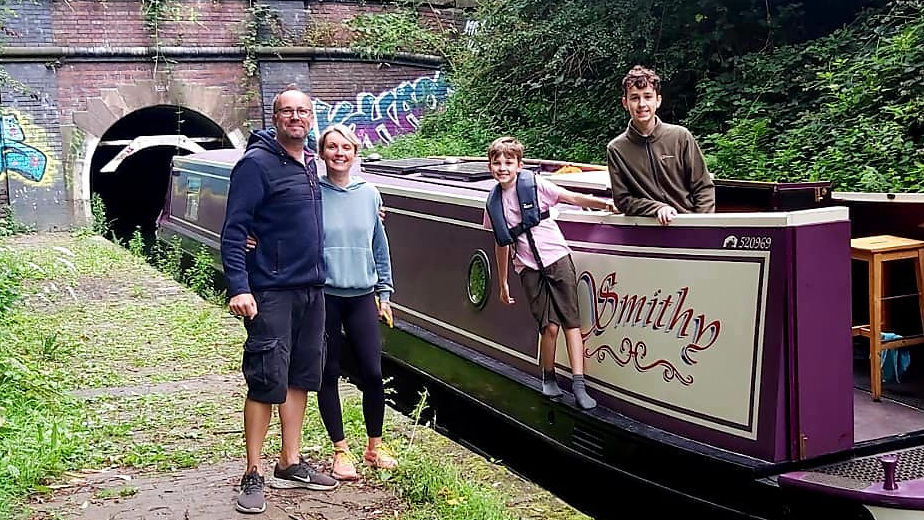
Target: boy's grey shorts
(553, 296)
(285, 344)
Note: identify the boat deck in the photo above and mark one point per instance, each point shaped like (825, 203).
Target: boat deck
(887, 418)
(901, 410)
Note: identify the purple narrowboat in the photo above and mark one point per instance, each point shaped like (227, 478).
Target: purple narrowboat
(719, 346)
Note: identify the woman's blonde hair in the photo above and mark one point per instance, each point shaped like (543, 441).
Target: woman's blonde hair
(342, 130)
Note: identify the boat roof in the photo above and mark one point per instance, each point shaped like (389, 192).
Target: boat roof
(222, 156)
(458, 190)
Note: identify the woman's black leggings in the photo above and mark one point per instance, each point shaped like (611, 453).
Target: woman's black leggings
(359, 318)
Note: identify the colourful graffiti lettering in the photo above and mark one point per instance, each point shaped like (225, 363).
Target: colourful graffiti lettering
(379, 119)
(16, 155)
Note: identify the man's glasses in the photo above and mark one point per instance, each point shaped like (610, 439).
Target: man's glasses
(289, 112)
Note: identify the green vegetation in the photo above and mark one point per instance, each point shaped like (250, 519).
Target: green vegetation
(783, 91)
(845, 108)
(168, 257)
(65, 324)
(100, 224)
(136, 243)
(385, 34)
(201, 276)
(121, 492)
(104, 362)
(8, 224)
(40, 426)
(7, 81)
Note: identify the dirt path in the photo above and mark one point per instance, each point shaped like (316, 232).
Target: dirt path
(206, 493)
(158, 371)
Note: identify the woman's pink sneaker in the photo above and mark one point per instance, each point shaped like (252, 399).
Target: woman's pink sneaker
(380, 458)
(344, 465)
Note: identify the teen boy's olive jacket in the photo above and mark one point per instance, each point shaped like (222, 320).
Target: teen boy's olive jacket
(666, 167)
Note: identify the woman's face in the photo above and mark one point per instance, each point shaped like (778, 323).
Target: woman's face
(338, 153)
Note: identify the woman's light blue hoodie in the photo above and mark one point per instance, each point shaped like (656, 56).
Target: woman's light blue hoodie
(355, 245)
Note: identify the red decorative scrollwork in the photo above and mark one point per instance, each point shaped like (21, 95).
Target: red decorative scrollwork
(634, 353)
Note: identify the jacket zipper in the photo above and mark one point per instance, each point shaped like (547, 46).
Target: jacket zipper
(654, 172)
(311, 186)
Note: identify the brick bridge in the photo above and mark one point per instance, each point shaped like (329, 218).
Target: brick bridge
(101, 74)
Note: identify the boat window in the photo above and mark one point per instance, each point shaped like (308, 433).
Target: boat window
(479, 279)
(193, 185)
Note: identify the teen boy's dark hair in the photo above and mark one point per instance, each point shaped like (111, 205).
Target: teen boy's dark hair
(640, 77)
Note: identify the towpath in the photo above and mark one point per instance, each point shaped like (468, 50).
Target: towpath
(152, 371)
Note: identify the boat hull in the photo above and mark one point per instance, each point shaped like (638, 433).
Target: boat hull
(717, 347)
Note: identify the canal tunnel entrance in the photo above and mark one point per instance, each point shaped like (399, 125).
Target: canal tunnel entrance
(130, 168)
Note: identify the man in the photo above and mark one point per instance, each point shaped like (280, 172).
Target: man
(278, 289)
(656, 169)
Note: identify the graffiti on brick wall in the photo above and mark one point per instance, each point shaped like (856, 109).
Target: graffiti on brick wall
(20, 151)
(380, 118)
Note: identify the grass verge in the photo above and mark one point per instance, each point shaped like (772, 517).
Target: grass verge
(84, 316)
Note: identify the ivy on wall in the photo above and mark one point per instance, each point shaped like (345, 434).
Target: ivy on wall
(6, 80)
(375, 35)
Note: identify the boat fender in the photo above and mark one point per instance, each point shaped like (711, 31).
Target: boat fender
(528, 195)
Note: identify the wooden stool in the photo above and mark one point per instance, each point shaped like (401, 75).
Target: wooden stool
(875, 251)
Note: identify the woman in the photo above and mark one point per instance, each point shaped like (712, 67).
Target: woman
(358, 273)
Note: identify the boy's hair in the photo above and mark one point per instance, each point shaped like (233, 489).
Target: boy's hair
(640, 77)
(342, 130)
(505, 146)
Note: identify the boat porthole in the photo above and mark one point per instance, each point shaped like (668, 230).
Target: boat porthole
(478, 286)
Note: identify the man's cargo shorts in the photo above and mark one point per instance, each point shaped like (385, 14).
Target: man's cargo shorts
(285, 344)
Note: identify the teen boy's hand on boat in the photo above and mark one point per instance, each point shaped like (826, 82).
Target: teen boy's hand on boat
(666, 214)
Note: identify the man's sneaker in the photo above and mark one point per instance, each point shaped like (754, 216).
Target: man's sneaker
(301, 475)
(251, 499)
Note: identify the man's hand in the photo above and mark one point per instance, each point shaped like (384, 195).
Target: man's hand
(382, 213)
(250, 244)
(243, 305)
(666, 214)
(505, 295)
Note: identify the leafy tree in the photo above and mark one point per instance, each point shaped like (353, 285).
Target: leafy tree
(848, 108)
(550, 72)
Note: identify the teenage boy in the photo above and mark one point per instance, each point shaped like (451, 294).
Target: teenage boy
(656, 169)
(517, 211)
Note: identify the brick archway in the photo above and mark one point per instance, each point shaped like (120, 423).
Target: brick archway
(81, 139)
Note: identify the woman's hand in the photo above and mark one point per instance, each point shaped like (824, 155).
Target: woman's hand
(251, 243)
(385, 313)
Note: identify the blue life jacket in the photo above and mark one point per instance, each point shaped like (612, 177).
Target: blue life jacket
(528, 196)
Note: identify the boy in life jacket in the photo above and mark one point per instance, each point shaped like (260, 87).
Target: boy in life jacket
(518, 211)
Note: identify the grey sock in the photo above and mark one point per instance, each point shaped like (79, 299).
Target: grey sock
(580, 393)
(550, 385)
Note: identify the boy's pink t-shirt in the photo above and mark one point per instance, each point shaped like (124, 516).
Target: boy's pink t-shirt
(548, 238)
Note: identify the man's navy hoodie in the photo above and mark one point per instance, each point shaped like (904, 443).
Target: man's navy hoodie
(278, 200)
